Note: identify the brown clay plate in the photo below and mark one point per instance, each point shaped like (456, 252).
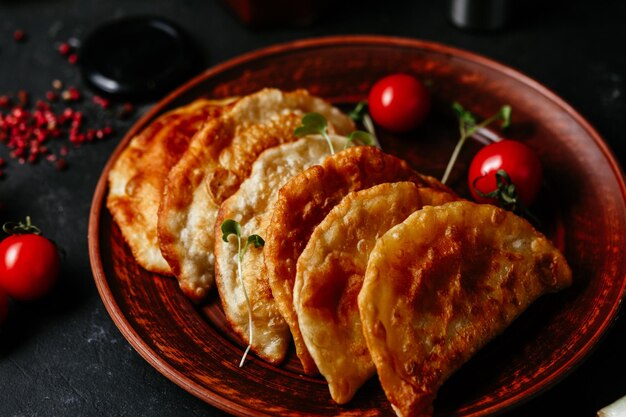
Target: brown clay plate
(582, 205)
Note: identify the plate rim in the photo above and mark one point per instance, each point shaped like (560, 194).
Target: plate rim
(226, 404)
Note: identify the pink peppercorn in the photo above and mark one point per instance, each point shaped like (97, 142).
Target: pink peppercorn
(61, 164)
(74, 93)
(71, 94)
(101, 101)
(126, 110)
(52, 96)
(19, 35)
(64, 48)
(22, 96)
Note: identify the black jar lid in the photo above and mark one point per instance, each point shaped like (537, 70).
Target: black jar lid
(138, 57)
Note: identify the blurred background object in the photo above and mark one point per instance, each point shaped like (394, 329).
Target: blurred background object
(479, 14)
(264, 13)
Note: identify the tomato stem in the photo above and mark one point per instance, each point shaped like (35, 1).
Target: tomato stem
(13, 228)
(506, 195)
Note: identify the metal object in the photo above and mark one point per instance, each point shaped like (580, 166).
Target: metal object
(479, 14)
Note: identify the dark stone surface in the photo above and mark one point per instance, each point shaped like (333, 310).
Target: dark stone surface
(63, 356)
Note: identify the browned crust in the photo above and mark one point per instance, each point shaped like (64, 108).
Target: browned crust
(219, 158)
(181, 182)
(148, 159)
(446, 281)
(304, 202)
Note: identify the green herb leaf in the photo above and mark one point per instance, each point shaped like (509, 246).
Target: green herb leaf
(312, 123)
(505, 114)
(256, 240)
(359, 111)
(468, 126)
(230, 227)
(466, 117)
(362, 138)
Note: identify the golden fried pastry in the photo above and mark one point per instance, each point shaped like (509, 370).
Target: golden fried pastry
(219, 158)
(436, 197)
(442, 284)
(329, 276)
(304, 202)
(249, 205)
(137, 178)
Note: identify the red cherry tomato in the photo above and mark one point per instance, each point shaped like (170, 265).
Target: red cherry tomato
(29, 266)
(4, 307)
(517, 159)
(399, 102)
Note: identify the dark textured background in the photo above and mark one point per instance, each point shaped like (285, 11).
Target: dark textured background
(63, 356)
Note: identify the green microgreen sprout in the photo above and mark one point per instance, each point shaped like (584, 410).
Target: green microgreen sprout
(314, 124)
(232, 227)
(469, 126)
(360, 137)
(360, 113)
(506, 195)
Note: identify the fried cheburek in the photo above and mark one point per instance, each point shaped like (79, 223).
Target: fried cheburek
(137, 178)
(436, 197)
(302, 204)
(249, 206)
(329, 277)
(443, 283)
(330, 274)
(218, 159)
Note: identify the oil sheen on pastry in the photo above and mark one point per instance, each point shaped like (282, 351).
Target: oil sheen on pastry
(218, 159)
(329, 277)
(443, 283)
(302, 204)
(137, 178)
(249, 206)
